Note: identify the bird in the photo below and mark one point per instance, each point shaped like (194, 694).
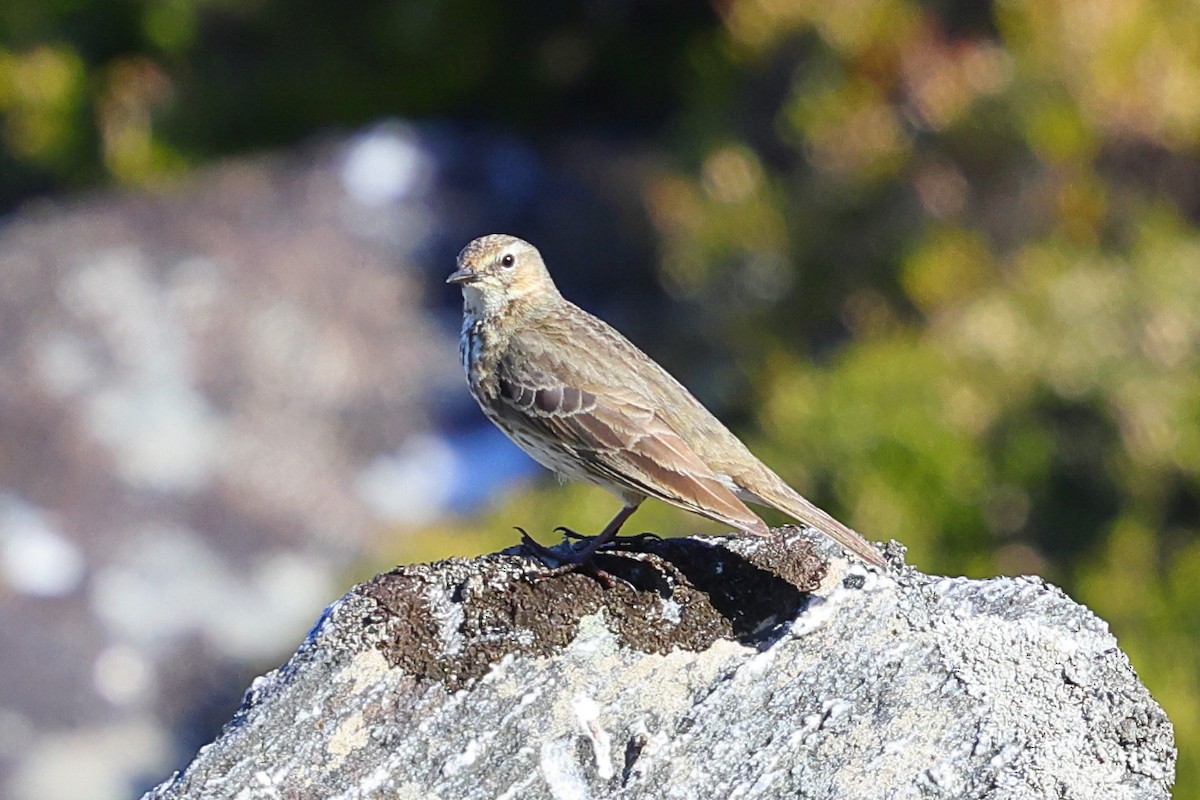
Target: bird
(585, 402)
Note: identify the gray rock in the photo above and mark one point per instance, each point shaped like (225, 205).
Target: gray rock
(196, 385)
(709, 668)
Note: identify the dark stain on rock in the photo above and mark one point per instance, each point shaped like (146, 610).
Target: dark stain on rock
(633, 751)
(452, 621)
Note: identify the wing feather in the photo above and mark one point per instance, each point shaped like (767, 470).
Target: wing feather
(618, 438)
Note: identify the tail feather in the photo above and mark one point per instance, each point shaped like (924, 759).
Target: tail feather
(787, 500)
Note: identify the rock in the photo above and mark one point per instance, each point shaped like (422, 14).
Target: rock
(196, 383)
(706, 668)
(219, 394)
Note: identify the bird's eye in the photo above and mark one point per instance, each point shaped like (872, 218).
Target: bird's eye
(508, 260)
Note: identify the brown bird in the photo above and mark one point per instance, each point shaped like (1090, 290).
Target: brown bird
(585, 402)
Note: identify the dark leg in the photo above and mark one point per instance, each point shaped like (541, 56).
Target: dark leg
(583, 555)
(606, 535)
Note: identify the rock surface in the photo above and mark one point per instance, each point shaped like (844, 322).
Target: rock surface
(713, 668)
(219, 394)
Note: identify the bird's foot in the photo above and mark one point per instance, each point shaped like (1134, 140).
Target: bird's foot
(540, 550)
(557, 563)
(630, 542)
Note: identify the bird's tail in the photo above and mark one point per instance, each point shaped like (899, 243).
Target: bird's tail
(787, 500)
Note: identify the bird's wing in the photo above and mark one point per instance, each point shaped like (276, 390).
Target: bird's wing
(613, 431)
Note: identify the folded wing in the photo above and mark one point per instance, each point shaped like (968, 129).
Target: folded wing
(616, 437)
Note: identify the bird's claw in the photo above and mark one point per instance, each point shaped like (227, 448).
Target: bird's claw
(540, 550)
(617, 542)
(555, 563)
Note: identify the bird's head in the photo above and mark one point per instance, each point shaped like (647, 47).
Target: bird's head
(498, 272)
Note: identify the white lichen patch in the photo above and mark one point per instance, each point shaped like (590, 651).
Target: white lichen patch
(816, 615)
(757, 665)
(667, 682)
(414, 791)
(562, 772)
(460, 761)
(527, 701)
(349, 736)
(410, 791)
(671, 611)
(367, 669)
(592, 636)
(825, 604)
(449, 617)
(587, 711)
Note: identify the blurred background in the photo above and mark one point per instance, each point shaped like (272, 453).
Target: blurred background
(938, 263)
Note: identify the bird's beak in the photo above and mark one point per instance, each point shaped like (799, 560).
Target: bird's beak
(462, 275)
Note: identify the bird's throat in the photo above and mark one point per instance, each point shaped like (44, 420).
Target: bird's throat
(506, 309)
(480, 304)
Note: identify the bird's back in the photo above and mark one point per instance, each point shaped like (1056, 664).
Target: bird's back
(616, 365)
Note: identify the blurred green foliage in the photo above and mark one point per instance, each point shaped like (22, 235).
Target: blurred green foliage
(953, 248)
(129, 90)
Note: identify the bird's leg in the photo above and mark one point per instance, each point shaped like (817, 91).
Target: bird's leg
(581, 556)
(605, 536)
